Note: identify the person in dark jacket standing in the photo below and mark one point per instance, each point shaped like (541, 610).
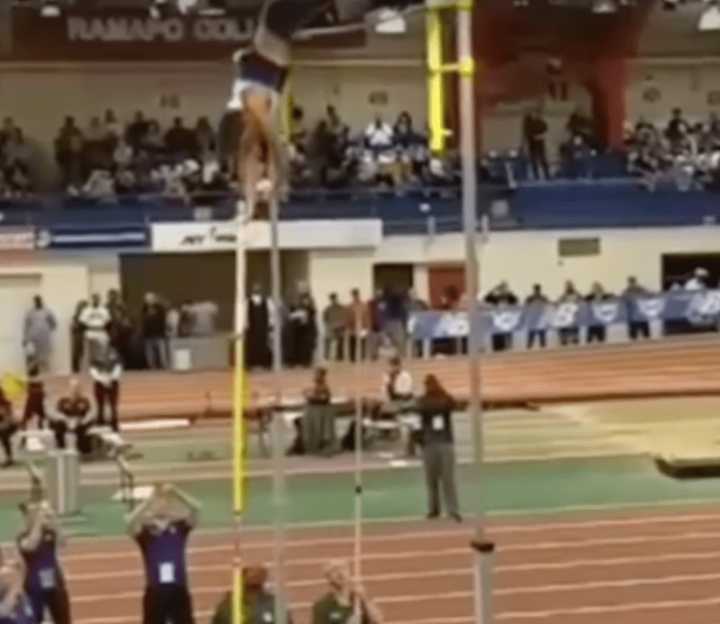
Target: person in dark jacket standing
(77, 338)
(154, 329)
(435, 408)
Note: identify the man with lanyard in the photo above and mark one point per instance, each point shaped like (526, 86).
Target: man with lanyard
(161, 526)
(15, 608)
(262, 71)
(44, 579)
(341, 604)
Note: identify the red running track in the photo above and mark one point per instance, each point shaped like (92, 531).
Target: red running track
(647, 567)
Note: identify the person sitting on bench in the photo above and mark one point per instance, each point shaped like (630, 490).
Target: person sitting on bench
(72, 415)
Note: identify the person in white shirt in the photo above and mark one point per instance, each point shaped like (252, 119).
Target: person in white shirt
(106, 370)
(398, 392)
(698, 281)
(95, 319)
(379, 134)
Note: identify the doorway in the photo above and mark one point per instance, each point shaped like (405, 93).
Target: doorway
(446, 283)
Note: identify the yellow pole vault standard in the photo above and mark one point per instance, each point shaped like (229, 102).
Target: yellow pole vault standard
(239, 402)
(436, 91)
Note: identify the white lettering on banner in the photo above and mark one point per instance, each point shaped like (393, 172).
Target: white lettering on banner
(706, 304)
(565, 315)
(171, 30)
(651, 308)
(606, 312)
(223, 30)
(12, 239)
(507, 320)
(303, 235)
(453, 325)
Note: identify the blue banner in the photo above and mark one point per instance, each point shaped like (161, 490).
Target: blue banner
(696, 307)
(93, 236)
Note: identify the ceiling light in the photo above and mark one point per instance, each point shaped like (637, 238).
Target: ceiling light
(710, 19)
(50, 9)
(604, 7)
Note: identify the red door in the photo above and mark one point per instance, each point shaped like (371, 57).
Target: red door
(445, 282)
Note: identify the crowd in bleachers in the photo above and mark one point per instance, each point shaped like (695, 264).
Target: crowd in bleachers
(15, 156)
(108, 159)
(685, 153)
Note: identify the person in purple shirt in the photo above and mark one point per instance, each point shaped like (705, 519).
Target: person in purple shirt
(44, 579)
(15, 608)
(161, 526)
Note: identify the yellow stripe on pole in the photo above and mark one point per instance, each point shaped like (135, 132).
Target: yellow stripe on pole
(436, 96)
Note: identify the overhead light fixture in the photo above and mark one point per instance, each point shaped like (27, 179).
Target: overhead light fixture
(213, 8)
(604, 7)
(710, 19)
(50, 9)
(521, 4)
(390, 22)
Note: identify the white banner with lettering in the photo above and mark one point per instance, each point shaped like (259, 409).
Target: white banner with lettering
(221, 235)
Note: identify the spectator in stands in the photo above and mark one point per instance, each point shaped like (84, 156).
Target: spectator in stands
(334, 323)
(155, 332)
(97, 152)
(379, 135)
(105, 371)
(161, 527)
(34, 400)
(38, 545)
(69, 148)
(569, 334)
(95, 320)
(699, 280)
(301, 332)
(580, 124)
(358, 322)
(180, 142)
(338, 605)
(299, 170)
(438, 443)
(136, 130)
(153, 141)
(537, 304)
(534, 134)
(298, 129)
(637, 328)
(597, 332)
(335, 124)
(100, 185)
(8, 428)
(205, 139)
(677, 128)
(17, 151)
(123, 154)
(259, 322)
(77, 337)
(113, 131)
(39, 327)
(72, 415)
(258, 600)
(499, 297)
(395, 318)
(204, 316)
(376, 318)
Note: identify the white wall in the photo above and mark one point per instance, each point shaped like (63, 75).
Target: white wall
(523, 258)
(340, 272)
(61, 285)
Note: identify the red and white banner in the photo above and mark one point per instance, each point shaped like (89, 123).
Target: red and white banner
(17, 239)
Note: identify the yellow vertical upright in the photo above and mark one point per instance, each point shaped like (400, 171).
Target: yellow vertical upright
(436, 95)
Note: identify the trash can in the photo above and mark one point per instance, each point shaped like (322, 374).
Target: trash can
(62, 478)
